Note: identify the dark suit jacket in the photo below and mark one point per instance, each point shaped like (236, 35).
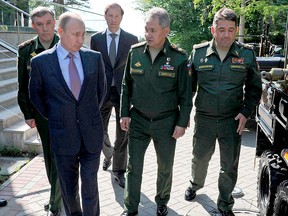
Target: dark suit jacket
(99, 43)
(70, 121)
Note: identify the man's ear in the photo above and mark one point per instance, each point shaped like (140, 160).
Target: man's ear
(212, 29)
(59, 30)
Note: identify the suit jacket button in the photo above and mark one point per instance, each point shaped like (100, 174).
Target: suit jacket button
(77, 121)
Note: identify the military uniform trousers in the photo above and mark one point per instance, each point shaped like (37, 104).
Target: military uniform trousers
(205, 134)
(141, 132)
(119, 152)
(55, 192)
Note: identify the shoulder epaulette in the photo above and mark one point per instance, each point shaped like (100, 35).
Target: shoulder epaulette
(197, 46)
(244, 45)
(26, 43)
(178, 49)
(138, 44)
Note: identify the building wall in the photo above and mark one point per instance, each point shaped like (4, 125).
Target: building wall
(15, 39)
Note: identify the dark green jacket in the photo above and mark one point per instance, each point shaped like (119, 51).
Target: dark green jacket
(220, 85)
(155, 89)
(26, 51)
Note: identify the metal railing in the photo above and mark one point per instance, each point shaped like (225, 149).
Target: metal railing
(8, 46)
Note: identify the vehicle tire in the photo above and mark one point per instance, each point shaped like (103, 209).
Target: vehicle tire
(272, 171)
(281, 200)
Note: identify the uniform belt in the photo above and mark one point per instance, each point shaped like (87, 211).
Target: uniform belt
(162, 116)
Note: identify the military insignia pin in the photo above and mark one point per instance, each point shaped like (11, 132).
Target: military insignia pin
(201, 60)
(33, 54)
(168, 60)
(138, 64)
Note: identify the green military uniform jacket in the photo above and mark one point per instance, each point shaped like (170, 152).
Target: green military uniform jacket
(220, 91)
(26, 51)
(155, 89)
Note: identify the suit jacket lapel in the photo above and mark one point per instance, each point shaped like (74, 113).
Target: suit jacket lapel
(103, 47)
(121, 45)
(57, 70)
(84, 58)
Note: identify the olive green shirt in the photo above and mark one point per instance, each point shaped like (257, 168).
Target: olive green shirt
(228, 87)
(155, 89)
(26, 51)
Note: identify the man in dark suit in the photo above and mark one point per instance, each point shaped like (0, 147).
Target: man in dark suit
(68, 86)
(114, 69)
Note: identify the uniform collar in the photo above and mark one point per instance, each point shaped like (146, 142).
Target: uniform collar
(39, 46)
(234, 49)
(164, 48)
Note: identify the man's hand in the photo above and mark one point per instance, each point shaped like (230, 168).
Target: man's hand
(242, 121)
(31, 123)
(178, 132)
(124, 123)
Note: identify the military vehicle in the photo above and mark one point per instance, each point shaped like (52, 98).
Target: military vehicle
(272, 140)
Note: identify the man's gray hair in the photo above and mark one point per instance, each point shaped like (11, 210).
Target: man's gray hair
(161, 14)
(39, 12)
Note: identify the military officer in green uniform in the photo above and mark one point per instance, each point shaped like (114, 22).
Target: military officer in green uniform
(156, 102)
(220, 70)
(43, 22)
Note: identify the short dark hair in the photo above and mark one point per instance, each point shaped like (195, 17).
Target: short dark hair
(114, 5)
(225, 14)
(39, 12)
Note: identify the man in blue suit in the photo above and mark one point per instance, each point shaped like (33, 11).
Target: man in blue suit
(114, 69)
(68, 86)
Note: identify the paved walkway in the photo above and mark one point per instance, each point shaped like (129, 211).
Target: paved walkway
(28, 190)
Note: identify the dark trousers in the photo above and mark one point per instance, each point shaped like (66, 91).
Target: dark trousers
(68, 171)
(141, 132)
(204, 140)
(55, 192)
(119, 151)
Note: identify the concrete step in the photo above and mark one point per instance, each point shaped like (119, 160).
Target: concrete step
(8, 85)
(33, 144)
(8, 62)
(8, 73)
(10, 116)
(8, 99)
(4, 53)
(16, 134)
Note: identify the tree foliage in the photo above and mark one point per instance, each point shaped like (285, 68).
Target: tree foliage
(191, 19)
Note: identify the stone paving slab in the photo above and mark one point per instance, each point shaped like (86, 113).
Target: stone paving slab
(28, 190)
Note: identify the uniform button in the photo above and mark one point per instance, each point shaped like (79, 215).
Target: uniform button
(77, 121)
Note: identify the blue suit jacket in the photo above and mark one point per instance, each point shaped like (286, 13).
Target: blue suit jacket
(70, 121)
(99, 43)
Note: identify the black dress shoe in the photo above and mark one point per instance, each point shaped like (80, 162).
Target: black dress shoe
(189, 194)
(106, 164)
(3, 202)
(119, 177)
(227, 213)
(46, 206)
(125, 213)
(56, 213)
(162, 210)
